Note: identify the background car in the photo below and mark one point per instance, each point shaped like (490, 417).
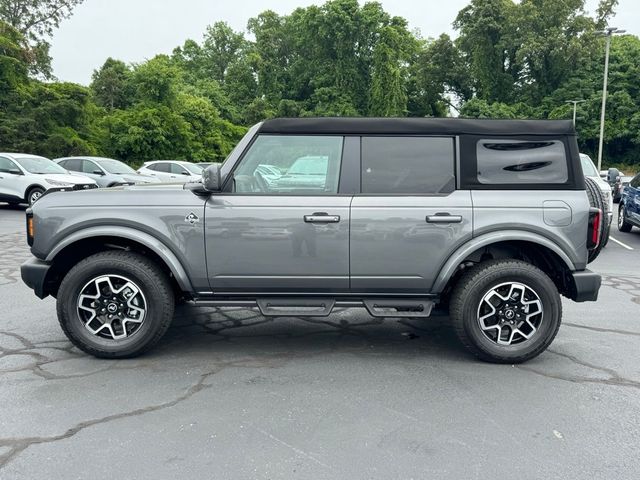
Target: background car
(629, 209)
(24, 178)
(590, 170)
(106, 172)
(172, 171)
(204, 165)
(618, 187)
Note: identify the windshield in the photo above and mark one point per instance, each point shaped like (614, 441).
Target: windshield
(116, 167)
(193, 168)
(588, 168)
(39, 165)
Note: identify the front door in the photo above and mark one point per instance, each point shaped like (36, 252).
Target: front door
(283, 226)
(409, 217)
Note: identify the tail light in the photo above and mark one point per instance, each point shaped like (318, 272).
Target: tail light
(595, 228)
(30, 228)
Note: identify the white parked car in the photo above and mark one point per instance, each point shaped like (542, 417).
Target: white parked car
(24, 178)
(172, 171)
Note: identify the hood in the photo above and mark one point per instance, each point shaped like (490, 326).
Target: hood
(68, 178)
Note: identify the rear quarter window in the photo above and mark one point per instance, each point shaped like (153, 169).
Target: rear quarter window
(504, 161)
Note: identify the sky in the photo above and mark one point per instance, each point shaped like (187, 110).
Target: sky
(136, 30)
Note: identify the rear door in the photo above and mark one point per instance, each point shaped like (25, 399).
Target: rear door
(287, 231)
(409, 217)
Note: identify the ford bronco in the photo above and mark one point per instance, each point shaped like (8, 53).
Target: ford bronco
(491, 220)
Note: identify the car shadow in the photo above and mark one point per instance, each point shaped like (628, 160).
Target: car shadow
(246, 332)
(17, 208)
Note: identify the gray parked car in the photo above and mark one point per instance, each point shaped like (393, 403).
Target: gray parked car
(486, 218)
(106, 172)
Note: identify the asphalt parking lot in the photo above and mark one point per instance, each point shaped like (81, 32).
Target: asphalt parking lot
(233, 395)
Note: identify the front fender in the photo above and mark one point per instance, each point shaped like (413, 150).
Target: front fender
(143, 238)
(451, 265)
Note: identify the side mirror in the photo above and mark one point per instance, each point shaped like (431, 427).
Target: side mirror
(211, 180)
(612, 174)
(15, 171)
(98, 172)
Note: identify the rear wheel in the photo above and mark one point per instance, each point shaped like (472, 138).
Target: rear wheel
(506, 311)
(115, 304)
(623, 225)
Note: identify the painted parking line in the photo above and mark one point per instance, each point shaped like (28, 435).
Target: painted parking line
(620, 243)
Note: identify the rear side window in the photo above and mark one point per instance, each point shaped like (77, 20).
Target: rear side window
(503, 161)
(74, 165)
(161, 167)
(408, 165)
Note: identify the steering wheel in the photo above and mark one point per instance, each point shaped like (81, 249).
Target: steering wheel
(260, 182)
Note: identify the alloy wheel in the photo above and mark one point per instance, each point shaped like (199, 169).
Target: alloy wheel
(510, 313)
(112, 307)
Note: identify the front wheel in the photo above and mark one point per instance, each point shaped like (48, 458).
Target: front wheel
(623, 225)
(506, 311)
(115, 304)
(34, 195)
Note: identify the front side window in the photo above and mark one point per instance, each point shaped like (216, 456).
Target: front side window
(7, 165)
(635, 181)
(90, 167)
(178, 169)
(290, 164)
(502, 161)
(408, 165)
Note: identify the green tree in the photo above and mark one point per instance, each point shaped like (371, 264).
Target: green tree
(111, 85)
(36, 20)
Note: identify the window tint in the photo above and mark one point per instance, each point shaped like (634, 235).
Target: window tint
(413, 165)
(503, 161)
(635, 182)
(282, 164)
(177, 169)
(74, 165)
(161, 167)
(89, 167)
(6, 165)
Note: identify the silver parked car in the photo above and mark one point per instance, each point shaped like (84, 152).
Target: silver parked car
(492, 220)
(106, 172)
(172, 171)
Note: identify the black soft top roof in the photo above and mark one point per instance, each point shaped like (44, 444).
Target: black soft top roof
(416, 126)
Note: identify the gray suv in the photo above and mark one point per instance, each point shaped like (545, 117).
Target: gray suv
(488, 219)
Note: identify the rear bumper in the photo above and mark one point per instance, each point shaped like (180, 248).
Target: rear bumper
(34, 275)
(584, 286)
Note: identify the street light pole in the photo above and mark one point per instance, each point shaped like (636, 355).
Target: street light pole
(575, 108)
(608, 32)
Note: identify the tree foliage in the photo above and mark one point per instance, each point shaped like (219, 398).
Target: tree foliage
(510, 59)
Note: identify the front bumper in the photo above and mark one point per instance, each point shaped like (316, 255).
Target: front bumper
(34, 274)
(584, 286)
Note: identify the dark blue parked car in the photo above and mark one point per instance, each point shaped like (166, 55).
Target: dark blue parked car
(629, 210)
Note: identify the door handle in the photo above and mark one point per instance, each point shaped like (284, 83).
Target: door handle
(443, 217)
(321, 217)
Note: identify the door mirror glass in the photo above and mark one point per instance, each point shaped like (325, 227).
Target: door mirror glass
(211, 179)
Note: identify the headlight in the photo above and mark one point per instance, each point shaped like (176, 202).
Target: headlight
(58, 183)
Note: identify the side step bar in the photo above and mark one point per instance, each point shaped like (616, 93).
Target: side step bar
(323, 306)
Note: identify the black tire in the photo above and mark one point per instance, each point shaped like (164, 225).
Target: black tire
(156, 293)
(34, 194)
(596, 200)
(623, 225)
(480, 280)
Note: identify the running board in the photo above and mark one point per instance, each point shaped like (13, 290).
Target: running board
(396, 307)
(296, 307)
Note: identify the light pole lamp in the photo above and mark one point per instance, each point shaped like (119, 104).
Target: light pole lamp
(575, 107)
(608, 33)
